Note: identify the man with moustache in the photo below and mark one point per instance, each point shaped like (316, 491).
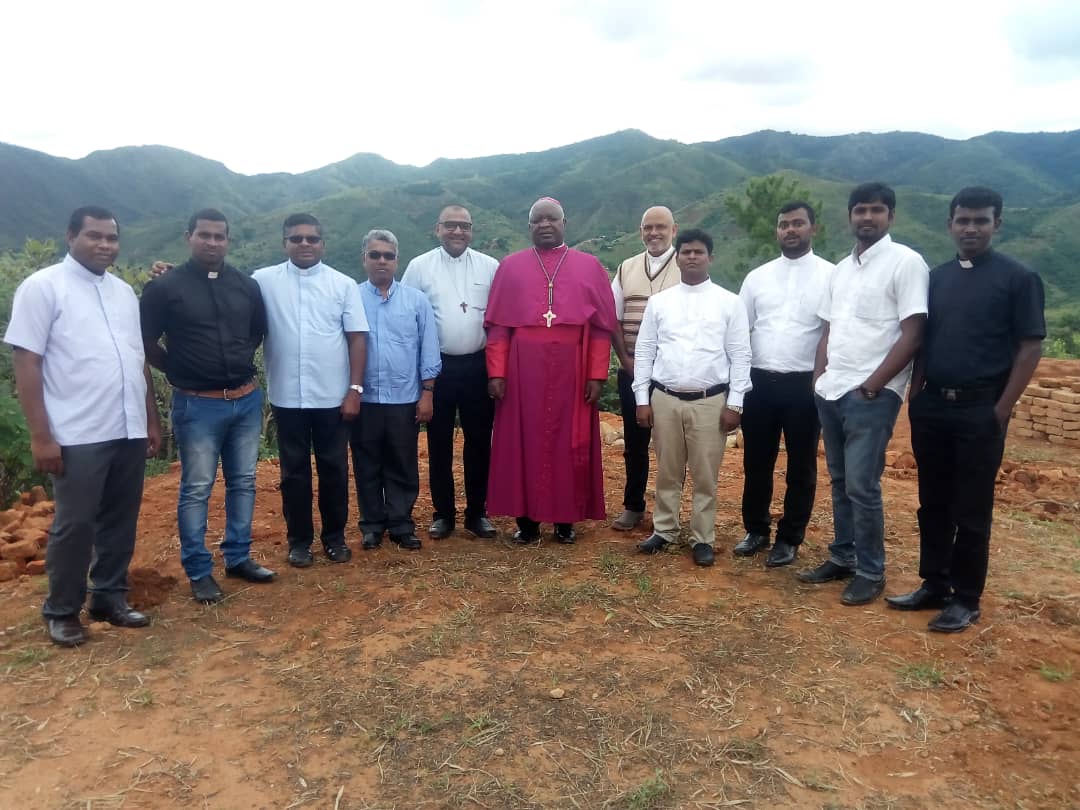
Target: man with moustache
(984, 337)
(85, 390)
(550, 318)
(399, 381)
(212, 318)
(874, 308)
(782, 299)
(636, 280)
(315, 353)
(691, 374)
(456, 280)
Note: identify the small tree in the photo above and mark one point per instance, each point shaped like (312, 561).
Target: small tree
(755, 212)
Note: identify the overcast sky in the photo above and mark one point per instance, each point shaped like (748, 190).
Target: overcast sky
(274, 86)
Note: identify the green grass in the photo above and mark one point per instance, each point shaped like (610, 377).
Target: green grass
(28, 657)
(922, 676)
(1056, 674)
(651, 793)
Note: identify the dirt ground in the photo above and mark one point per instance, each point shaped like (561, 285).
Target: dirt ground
(480, 674)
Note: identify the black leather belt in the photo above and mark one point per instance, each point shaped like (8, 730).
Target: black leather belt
(965, 394)
(692, 395)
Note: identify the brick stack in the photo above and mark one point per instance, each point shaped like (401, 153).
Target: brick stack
(1049, 410)
(24, 531)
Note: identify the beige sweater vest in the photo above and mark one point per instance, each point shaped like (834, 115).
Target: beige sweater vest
(637, 286)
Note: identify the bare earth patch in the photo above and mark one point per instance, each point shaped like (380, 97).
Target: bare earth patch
(479, 674)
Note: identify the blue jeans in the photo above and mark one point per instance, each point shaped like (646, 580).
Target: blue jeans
(857, 431)
(206, 430)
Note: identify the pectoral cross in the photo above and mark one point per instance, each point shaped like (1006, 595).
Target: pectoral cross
(464, 307)
(549, 316)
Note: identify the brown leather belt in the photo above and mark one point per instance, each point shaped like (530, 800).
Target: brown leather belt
(224, 393)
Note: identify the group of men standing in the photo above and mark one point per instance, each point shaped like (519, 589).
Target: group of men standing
(517, 353)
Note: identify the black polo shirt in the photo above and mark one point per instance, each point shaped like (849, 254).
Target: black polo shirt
(977, 317)
(212, 326)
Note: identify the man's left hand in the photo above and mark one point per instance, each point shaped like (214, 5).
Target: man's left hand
(730, 421)
(592, 391)
(1002, 414)
(424, 408)
(350, 406)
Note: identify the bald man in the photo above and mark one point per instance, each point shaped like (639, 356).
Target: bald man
(456, 280)
(636, 280)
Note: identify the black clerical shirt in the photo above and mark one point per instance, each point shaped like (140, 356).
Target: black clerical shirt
(977, 317)
(212, 326)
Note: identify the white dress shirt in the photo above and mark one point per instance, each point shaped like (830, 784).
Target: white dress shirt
(655, 265)
(308, 312)
(693, 337)
(864, 302)
(86, 329)
(782, 299)
(448, 282)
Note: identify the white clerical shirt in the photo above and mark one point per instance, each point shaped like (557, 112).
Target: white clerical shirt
(656, 267)
(86, 329)
(693, 337)
(782, 299)
(866, 298)
(457, 287)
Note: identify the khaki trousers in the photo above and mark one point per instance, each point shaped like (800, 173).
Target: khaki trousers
(687, 436)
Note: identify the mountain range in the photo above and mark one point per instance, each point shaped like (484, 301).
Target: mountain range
(604, 184)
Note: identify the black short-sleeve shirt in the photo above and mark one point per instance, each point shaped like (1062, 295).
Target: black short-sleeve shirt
(212, 326)
(977, 317)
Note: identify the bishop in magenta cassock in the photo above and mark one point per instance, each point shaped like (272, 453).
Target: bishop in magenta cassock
(549, 321)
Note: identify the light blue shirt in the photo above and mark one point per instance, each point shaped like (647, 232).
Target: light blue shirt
(402, 346)
(308, 312)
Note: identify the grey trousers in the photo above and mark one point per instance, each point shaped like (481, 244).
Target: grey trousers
(93, 531)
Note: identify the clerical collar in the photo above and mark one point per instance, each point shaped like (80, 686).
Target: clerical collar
(694, 288)
(304, 271)
(975, 261)
(656, 262)
(801, 260)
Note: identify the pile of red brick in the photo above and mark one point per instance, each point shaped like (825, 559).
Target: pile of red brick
(24, 531)
(1049, 410)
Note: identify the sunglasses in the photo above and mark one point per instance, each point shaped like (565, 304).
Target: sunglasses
(457, 226)
(375, 255)
(311, 240)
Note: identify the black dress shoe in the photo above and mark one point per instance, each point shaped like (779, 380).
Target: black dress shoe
(781, 554)
(750, 545)
(301, 557)
(922, 598)
(120, 615)
(251, 571)
(862, 590)
(66, 631)
(409, 542)
(653, 545)
(565, 534)
(338, 553)
(954, 618)
(828, 571)
(371, 540)
(480, 527)
(703, 554)
(440, 528)
(528, 532)
(206, 590)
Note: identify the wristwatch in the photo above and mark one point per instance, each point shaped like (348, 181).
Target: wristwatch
(357, 388)
(867, 393)
(428, 387)
(734, 408)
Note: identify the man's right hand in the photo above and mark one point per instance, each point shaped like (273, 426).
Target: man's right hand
(644, 416)
(160, 268)
(47, 455)
(497, 387)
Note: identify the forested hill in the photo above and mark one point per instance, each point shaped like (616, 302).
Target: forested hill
(604, 183)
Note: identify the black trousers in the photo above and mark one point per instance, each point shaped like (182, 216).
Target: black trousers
(301, 431)
(958, 448)
(635, 447)
(384, 442)
(779, 404)
(461, 391)
(97, 512)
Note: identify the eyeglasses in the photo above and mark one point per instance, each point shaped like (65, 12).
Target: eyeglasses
(311, 240)
(465, 227)
(375, 255)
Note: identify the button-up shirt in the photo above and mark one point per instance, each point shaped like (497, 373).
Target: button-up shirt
(402, 346)
(782, 299)
(213, 323)
(693, 336)
(308, 312)
(866, 298)
(457, 288)
(85, 327)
